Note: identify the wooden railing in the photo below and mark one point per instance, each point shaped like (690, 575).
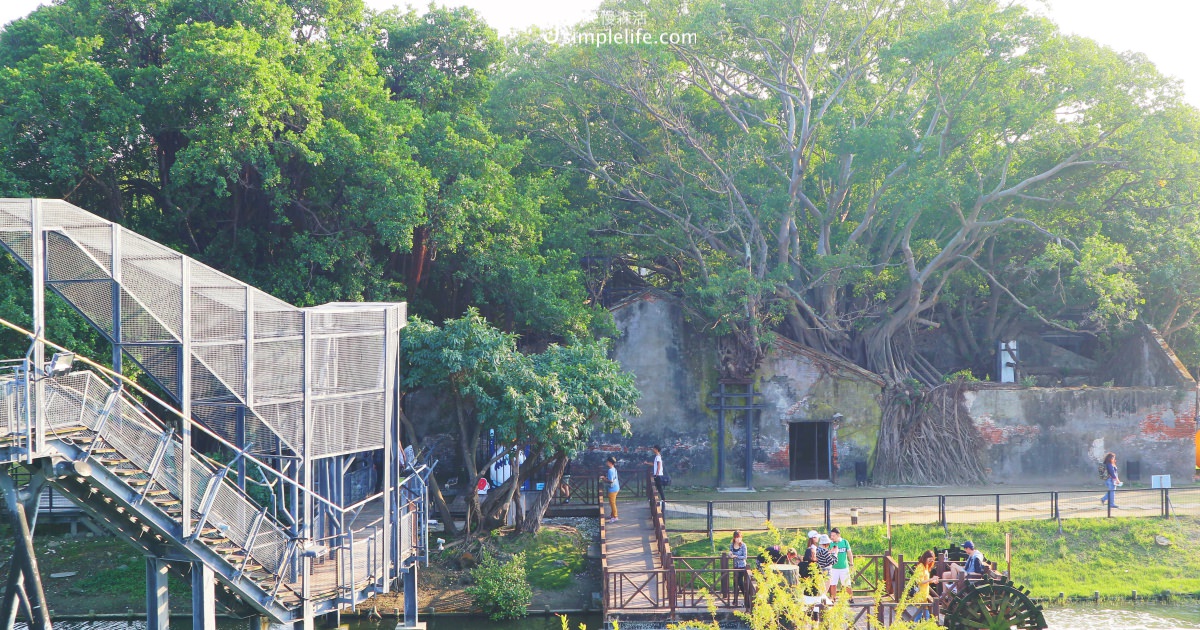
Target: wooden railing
(690, 584)
(868, 573)
(587, 488)
(603, 554)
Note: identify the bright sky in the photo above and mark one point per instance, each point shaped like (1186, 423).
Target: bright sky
(1165, 30)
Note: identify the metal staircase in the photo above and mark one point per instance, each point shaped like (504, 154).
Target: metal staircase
(289, 400)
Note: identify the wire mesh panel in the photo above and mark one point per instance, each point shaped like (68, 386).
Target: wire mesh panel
(915, 510)
(842, 512)
(1183, 501)
(970, 508)
(12, 395)
(797, 514)
(686, 516)
(247, 348)
(15, 228)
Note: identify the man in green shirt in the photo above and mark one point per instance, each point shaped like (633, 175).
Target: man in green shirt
(843, 567)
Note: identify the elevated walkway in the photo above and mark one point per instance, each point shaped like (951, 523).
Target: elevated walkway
(301, 503)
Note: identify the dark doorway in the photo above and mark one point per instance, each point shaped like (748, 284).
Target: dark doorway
(808, 446)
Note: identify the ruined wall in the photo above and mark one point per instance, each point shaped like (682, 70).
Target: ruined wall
(675, 372)
(1147, 361)
(799, 384)
(1059, 433)
(673, 369)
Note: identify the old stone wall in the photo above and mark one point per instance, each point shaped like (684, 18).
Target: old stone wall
(800, 384)
(1060, 433)
(675, 372)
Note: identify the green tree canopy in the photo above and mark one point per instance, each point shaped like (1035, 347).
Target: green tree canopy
(834, 171)
(550, 402)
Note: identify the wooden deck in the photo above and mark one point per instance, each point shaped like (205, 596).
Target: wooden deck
(323, 584)
(631, 545)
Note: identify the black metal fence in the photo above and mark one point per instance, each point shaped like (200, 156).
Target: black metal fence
(943, 509)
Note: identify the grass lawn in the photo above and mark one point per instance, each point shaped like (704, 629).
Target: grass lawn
(1113, 556)
(552, 556)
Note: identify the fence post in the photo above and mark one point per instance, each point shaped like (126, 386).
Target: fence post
(997, 507)
(768, 510)
(942, 509)
(710, 523)
(885, 510)
(725, 574)
(828, 516)
(1053, 505)
(672, 587)
(1166, 502)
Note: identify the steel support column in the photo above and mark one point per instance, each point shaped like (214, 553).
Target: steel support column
(37, 264)
(204, 597)
(14, 593)
(115, 263)
(391, 444)
(410, 596)
(30, 583)
(185, 396)
(158, 608)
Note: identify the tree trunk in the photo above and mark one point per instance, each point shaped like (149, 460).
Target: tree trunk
(438, 500)
(533, 518)
(469, 468)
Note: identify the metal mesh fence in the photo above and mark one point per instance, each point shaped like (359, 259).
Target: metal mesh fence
(700, 516)
(267, 377)
(247, 348)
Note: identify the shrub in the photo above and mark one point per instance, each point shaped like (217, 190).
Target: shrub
(965, 376)
(501, 591)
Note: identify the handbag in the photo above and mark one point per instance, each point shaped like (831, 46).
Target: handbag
(666, 479)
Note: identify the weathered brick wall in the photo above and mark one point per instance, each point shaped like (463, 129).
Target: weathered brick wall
(1059, 433)
(674, 370)
(799, 384)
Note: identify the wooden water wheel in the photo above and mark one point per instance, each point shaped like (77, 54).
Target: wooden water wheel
(994, 604)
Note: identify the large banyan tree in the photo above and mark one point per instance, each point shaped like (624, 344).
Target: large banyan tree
(833, 171)
(846, 173)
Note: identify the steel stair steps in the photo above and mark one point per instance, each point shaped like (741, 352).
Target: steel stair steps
(126, 471)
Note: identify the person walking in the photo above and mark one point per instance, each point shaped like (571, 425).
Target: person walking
(1113, 481)
(843, 565)
(741, 576)
(658, 472)
(614, 486)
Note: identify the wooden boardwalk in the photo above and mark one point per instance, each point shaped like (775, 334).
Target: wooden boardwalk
(631, 544)
(643, 580)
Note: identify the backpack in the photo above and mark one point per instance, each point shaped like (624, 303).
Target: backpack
(1103, 470)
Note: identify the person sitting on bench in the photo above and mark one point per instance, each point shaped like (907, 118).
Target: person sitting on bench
(975, 566)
